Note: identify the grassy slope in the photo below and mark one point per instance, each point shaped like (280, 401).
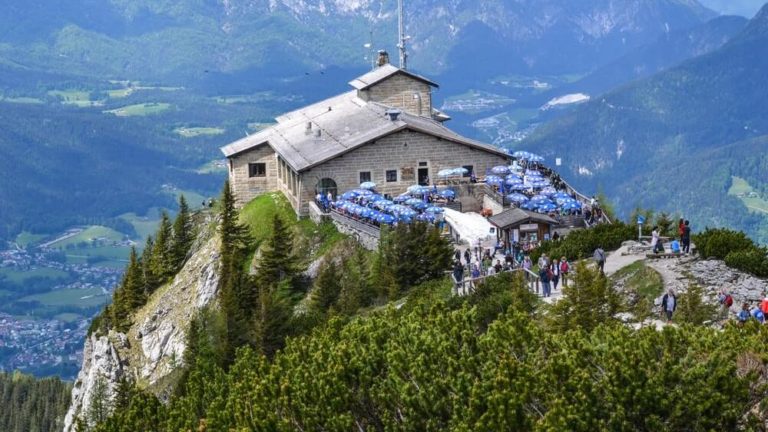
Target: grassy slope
(640, 279)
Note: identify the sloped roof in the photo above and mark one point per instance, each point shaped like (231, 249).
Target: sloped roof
(345, 122)
(518, 216)
(383, 72)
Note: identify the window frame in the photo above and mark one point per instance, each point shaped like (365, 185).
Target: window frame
(257, 169)
(386, 175)
(360, 176)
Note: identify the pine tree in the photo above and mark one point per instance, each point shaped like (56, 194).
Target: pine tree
(327, 286)
(238, 297)
(151, 280)
(133, 283)
(278, 262)
(183, 235)
(273, 321)
(101, 405)
(162, 252)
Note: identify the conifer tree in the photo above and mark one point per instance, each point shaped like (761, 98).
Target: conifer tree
(237, 295)
(162, 251)
(273, 321)
(182, 234)
(151, 280)
(133, 283)
(327, 286)
(278, 262)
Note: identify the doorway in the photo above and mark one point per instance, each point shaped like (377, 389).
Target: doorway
(423, 176)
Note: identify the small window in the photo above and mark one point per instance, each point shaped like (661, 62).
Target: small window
(365, 176)
(257, 170)
(469, 169)
(391, 176)
(422, 164)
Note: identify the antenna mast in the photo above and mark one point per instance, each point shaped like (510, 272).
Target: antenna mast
(401, 36)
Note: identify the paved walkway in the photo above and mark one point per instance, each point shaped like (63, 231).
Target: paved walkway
(614, 262)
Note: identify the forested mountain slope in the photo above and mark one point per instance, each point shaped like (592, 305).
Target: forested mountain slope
(675, 140)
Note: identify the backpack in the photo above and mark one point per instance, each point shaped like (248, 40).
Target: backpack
(728, 302)
(564, 267)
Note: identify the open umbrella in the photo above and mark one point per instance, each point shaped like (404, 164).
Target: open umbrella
(539, 198)
(447, 193)
(571, 205)
(548, 191)
(418, 189)
(532, 172)
(494, 180)
(349, 195)
(386, 219)
(448, 172)
(420, 205)
(518, 187)
(434, 209)
(530, 205)
(535, 158)
(561, 195)
(368, 185)
(517, 197)
(547, 207)
(500, 170)
(383, 204)
(401, 198)
(413, 201)
(522, 154)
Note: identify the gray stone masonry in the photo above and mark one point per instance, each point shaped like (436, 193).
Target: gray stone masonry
(247, 188)
(400, 91)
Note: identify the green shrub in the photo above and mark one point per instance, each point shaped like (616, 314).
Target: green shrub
(582, 243)
(754, 260)
(718, 243)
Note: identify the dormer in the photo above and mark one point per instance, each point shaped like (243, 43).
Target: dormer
(397, 88)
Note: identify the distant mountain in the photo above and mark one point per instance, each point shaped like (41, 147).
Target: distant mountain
(746, 8)
(669, 50)
(182, 39)
(675, 140)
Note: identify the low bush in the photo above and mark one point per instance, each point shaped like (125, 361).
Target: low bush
(582, 243)
(718, 243)
(754, 260)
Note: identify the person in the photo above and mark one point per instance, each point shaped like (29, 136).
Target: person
(544, 277)
(655, 240)
(599, 256)
(457, 255)
(669, 304)
(744, 314)
(764, 305)
(554, 270)
(726, 301)
(555, 236)
(686, 238)
(564, 269)
(475, 272)
(758, 314)
(458, 271)
(675, 246)
(543, 261)
(498, 267)
(681, 227)
(467, 256)
(527, 264)
(490, 271)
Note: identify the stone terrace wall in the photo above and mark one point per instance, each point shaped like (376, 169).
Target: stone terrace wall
(247, 188)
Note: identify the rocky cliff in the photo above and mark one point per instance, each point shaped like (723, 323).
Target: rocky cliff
(153, 347)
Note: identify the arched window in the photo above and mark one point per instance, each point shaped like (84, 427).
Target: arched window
(326, 185)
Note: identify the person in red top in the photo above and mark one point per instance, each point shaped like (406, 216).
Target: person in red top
(681, 228)
(764, 304)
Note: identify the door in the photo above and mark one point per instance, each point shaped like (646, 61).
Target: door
(424, 176)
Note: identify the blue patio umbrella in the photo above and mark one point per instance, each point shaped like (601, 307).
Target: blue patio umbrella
(500, 170)
(413, 201)
(547, 207)
(494, 180)
(363, 192)
(386, 219)
(376, 197)
(401, 198)
(530, 205)
(447, 193)
(421, 205)
(349, 195)
(539, 198)
(338, 203)
(368, 185)
(561, 195)
(383, 204)
(522, 154)
(536, 158)
(417, 189)
(549, 191)
(434, 209)
(449, 172)
(517, 197)
(518, 187)
(571, 205)
(531, 172)
(513, 181)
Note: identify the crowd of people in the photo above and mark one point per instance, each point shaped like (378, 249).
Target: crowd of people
(475, 263)
(681, 244)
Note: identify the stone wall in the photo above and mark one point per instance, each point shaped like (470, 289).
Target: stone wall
(403, 152)
(247, 188)
(366, 235)
(402, 92)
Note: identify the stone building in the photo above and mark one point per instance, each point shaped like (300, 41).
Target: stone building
(385, 130)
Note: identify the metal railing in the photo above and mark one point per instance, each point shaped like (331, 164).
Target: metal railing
(356, 224)
(468, 285)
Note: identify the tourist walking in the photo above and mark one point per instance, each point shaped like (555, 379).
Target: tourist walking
(544, 276)
(669, 304)
(467, 256)
(527, 263)
(543, 261)
(599, 256)
(726, 301)
(555, 270)
(758, 314)
(744, 314)
(686, 238)
(564, 269)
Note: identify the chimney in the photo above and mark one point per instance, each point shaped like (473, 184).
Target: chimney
(393, 114)
(308, 130)
(317, 133)
(383, 58)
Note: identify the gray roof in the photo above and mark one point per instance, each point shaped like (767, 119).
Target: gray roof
(345, 122)
(516, 216)
(383, 72)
